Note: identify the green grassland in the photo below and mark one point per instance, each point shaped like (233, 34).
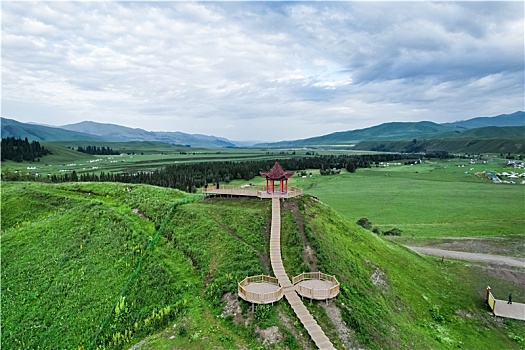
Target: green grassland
(100, 265)
(436, 199)
(134, 156)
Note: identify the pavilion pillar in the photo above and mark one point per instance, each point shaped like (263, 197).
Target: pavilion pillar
(267, 190)
(286, 185)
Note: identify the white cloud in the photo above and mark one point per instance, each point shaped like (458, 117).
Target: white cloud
(227, 67)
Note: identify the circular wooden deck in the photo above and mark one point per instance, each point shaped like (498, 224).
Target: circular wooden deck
(260, 289)
(316, 285)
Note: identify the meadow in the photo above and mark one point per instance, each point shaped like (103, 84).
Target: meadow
(108, 265)
(134, 156)
(432, 200)
(425, 204)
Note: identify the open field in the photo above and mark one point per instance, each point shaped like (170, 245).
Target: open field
(135, 156)
(428, 200)
(80, 237)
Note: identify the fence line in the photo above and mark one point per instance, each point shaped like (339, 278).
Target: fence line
(257, 191)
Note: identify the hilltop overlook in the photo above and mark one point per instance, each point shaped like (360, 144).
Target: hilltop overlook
(121, 264)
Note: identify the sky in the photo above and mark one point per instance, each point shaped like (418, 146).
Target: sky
(265, 71)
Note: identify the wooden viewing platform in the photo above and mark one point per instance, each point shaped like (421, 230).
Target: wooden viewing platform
(260, 289)
(316, 285)
(501, 308)
(251, 191)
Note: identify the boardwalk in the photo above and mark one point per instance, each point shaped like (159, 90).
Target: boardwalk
(316, 333)
(514, 310)
(251, 191)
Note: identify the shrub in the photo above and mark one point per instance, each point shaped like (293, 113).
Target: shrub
(393, 232)
(436, 315)
(364, 223)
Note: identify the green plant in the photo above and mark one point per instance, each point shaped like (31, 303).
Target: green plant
(436, 315)
(262, 312)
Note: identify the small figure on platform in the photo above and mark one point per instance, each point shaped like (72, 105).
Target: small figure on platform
(510, 299)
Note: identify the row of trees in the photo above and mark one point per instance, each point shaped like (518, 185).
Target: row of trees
(190, 176)
(97, 150)
(19, 150)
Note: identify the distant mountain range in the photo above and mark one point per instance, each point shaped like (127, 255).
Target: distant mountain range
(35, 132)
(397, 131)
(122, 133)
(506, 133)
(92, 131)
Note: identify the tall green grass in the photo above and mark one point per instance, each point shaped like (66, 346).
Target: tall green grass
(424, 200)
(418, 303)
(71, 252)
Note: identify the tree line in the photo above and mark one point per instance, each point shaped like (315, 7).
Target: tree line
(97, 150)
(190, 176)
(22, 150)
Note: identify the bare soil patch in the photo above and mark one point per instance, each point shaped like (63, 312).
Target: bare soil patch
(139, 213)
(346, 335)
(232, 308)
(379, 279)
(270, 335)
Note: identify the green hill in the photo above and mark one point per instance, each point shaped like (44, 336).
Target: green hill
(398, 131)
(513, 119)
(495, 132)
(98, 265)
(386, 131)
(480, 140)
(33, 132)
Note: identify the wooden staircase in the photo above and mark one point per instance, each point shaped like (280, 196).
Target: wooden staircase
(315, 331)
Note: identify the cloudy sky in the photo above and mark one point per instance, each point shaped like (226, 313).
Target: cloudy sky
(260, 70)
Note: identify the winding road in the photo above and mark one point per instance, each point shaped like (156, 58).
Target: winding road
(488, 258)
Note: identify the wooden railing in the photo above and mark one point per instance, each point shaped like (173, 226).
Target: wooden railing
(293, 192)
(260, 298)
(251, 191)
(316, 293)
(491, 301)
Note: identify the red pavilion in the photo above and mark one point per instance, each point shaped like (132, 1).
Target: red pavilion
(276, 173)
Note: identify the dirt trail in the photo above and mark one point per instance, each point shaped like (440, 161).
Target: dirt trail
(488, 258)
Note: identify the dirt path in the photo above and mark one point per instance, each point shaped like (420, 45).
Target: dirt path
(488, 258)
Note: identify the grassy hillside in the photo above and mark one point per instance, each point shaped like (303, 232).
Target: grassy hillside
(109, 265)
(495, 132)
(481, 140)
(13, 128)
(392, 298)
(513, 119)
(385, 131)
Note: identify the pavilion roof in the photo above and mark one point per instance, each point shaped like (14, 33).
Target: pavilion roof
(277, 173)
